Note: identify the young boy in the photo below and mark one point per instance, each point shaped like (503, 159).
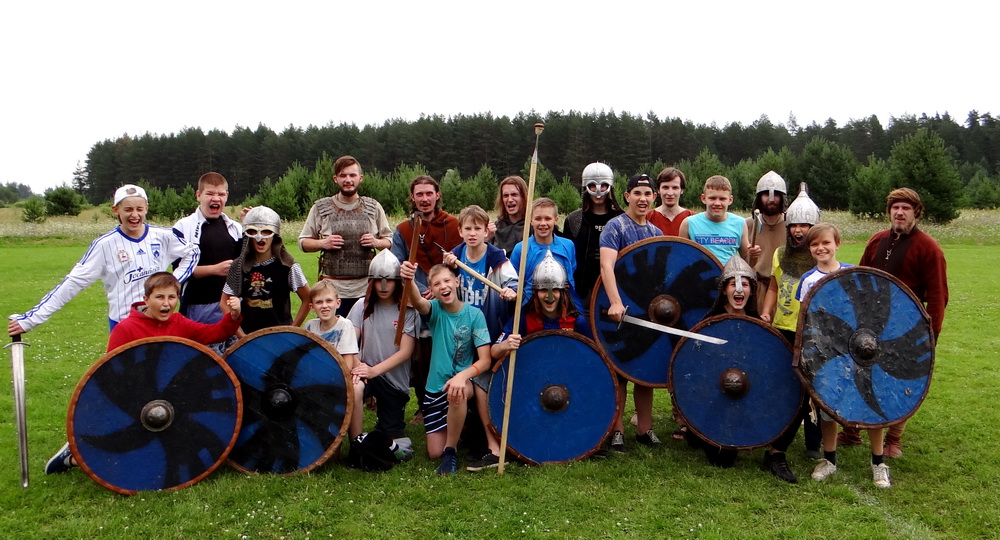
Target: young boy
(339, 331)
(781, 309)
(155, 316)
(384, 368)
(583, 226)
(621, 232)
(824, 240)
(544, 216)
(456, 329)
(670, 184)
(265, 275)
(722, 233)
(488, 261)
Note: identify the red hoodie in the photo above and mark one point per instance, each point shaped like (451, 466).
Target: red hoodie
(138, 325)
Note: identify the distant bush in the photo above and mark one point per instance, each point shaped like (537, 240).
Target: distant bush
(63, 201)
(33, 210)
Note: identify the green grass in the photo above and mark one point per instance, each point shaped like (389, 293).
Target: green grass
(943, 487)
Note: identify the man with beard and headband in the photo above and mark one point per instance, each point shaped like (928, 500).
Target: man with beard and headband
(346, 229)
(508, 229)
(583, 226)
(916, 259)
(781, 309)
(770, 200)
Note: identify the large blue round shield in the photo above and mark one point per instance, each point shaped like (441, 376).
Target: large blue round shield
(156, 414)
(564, 398)
(298, 400)
(666, 280)
(740, 395)
(866, 348)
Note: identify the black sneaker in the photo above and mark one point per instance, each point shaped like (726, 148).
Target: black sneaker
(488, 461)
(61, 462)
(618, 442)
(648, 438)
(778, 466)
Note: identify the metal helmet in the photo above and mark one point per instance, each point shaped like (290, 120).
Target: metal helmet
(802, 209)
(549, 274)
(598, 179)
(262, 216)
(385, 265)
(736, 267)
(771, 182)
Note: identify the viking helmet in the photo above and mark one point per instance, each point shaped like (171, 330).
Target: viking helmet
(802, 209)
(771, 182)
(385, 265)
(737, 268)
(598, 179)
(549, 274)
(262, 216)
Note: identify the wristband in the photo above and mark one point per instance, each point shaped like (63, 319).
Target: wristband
(477, 370)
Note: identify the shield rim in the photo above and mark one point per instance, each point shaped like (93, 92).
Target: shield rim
(797, 354)
(348, 383)
(562, 332)
(697, 328)
(599, 284)
(71, 432)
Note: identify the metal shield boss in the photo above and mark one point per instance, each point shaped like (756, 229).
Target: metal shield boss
(866, 347)
(157, 414)
(564, 398)
(740, 395)
(666, 280)
(298, 400)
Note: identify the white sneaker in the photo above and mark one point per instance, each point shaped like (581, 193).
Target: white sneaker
(880, 473)
(823, 469)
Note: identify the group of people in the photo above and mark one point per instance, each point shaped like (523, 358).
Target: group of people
(459, 274)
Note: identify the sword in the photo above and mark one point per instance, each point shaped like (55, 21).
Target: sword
(17, 369)
(668, 329)
(472, 272)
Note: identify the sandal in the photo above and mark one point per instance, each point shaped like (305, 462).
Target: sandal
(679, 433)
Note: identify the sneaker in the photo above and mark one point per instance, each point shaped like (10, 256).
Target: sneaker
(880, 473)
(61, 462)
(449, 464)
(602, 453)
(778, 466)
(814, 454)
(892, 449)
(849, 437)
(823, 470)
(648, 438)
(488, 461)
(618, 442)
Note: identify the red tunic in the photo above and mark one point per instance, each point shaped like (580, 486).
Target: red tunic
(669, 228)
(443, 229)
(138, 325)
(915, 259)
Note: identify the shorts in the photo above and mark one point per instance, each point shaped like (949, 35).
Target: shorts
(483, 380)
(435, 411)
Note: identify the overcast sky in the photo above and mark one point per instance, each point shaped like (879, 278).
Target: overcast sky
(77, 73)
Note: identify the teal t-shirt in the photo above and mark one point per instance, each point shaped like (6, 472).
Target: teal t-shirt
(454, 339)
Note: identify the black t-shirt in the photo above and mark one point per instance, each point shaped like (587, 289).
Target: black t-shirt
(588, 252)
(216, 246)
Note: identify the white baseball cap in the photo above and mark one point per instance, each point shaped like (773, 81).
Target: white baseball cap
(129, 190)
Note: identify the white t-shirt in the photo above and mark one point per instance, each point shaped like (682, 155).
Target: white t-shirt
(342, 334)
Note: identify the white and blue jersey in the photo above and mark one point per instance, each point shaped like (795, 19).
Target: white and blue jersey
(123, 264)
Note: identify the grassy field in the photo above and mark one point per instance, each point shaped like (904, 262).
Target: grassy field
(943, 487)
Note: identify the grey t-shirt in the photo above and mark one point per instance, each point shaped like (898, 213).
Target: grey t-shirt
(379, 332)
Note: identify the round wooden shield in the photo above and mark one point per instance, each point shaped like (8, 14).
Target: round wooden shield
(157, 414)
(866, 348)
(666, 280)
(740, 395)
(297, 400)
(564, 399)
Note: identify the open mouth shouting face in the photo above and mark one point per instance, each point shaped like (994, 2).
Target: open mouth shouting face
(131, 212)
(548, 301)
(161, 303)
(212, 200)
(512, 201)
(737, 296)
(443, 285)
(261, 238)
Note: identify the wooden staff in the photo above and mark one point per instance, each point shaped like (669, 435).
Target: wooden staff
(472, 272)
(520, 295)
(414, 241)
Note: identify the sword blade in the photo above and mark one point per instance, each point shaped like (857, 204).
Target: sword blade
(669, 330)
(20, 413)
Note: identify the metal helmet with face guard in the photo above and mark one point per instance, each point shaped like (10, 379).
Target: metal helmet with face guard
(737, 268)
(260, 217)
(598, 179)
(802, 209)
(549, 274)
(385, 265)
(771, 182)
